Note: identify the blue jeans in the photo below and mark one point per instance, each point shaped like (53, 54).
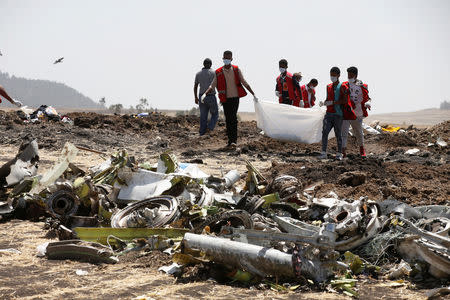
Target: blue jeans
(209, 105)
(332, 121)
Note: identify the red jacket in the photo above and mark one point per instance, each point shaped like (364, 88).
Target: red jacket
(222, 85)
(347, 110)
(293, 94)
(366, 98)
(306, 98)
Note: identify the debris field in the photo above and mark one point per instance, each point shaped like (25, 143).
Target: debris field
(144, 208)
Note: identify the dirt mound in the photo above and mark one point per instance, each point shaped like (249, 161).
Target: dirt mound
(412, 182)
(9, 118)
(419, 179)
(128, 122)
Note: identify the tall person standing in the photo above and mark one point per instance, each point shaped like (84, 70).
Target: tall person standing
(230, 84)
(287, 89)
(204, 78)
(338, 108)
(359, 96)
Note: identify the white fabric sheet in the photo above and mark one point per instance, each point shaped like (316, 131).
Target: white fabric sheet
(291, 123)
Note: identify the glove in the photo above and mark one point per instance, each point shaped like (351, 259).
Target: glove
(255, 98)
(202, 98)
(368, 105)
(302, 104)
(17, 103)
(277, 93)
(327, 103)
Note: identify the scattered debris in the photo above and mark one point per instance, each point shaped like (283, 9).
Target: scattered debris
(412, 151)
(403, 269)
(442, 291)
(25, 164)
(251, 229)
(441, 142)
(80, 272)
(9, 251)
(78, 250)
(390, 128)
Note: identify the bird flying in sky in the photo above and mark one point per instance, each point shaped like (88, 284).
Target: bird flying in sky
(59, 60)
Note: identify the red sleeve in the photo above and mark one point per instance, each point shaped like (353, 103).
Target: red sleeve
(365, 93)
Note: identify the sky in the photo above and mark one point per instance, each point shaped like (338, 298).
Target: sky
(126, 50)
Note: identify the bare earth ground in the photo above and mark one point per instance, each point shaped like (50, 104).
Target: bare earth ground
(416, 180)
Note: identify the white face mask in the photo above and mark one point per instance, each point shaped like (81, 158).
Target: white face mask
(313, 88)
(282, 70)
(352, 80)
(333, 78)
(226, 61)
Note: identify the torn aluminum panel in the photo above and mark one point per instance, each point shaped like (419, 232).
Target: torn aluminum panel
(294, 226)
(434, 211)
(24, 164)
(142, 184)
(68, 154)
(431, 247)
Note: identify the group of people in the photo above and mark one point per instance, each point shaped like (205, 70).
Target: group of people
(346, 102)
(289, 91)
(230, 83)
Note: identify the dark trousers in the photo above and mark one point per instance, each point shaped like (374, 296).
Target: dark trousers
(286, 101)
(209, 105)
(331, 121)
(230, 108)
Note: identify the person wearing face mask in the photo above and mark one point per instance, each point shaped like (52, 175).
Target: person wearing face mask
(287, 89)
(338, 108)
(309, 94)
(5, 95)
(230, 84)
(209, 102)
(360, 100)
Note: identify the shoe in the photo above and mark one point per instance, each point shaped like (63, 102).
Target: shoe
(233, 146)
(362, 151)
(344, 152)
(339, 156)
(323, 155)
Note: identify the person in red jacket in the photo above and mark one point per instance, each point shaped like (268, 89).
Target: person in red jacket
(5, 95)
(309, 94)
(287, 89)
(338, 108)
(360, 100)
(230, 84)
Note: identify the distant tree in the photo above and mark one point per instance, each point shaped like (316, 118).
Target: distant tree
(445, 105)
(195, 111)
(116, 108)
(180, 113)
(103, 101)
(143, 105)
